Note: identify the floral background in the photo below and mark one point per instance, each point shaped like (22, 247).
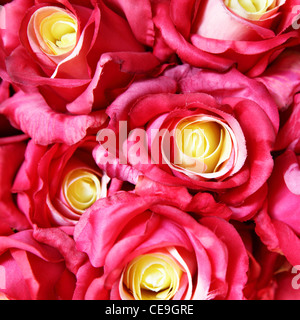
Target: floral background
(94, 205)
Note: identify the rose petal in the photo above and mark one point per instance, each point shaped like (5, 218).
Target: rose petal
(290, 130)
(185, 50)
(31, 114)
(139, 17)
(9, 212)
(281, 80)
(238, 261)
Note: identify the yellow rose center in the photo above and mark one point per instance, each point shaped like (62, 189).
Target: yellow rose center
(152, 277)
(251, 9)
(56, 30)
(81, 189)
(202, 144)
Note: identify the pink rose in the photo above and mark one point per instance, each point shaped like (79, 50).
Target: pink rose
(78, 54)
(160, 252)
(194, 128)
(57, 183)
(278, 222)
(219, 33)
(39, 265)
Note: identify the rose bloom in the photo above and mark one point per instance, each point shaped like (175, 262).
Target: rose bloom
(159, 252)
(78, 54)
(40, 264)
(194, 128)
(219, 33)
(56, 184)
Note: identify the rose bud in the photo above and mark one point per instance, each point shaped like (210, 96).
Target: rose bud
(56, 184)
(159, 252)
(218, 34)
(189, 128)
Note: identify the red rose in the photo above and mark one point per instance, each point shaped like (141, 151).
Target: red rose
(56, 184)
(160, 252)
(78, 54)
(219, 33)
(226, 152)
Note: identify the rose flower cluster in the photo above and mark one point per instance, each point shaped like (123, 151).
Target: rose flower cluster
(150, 150)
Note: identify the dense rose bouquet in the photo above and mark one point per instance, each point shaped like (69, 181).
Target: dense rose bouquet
(149, 150)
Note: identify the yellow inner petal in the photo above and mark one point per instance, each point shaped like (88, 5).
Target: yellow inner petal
(207, 141)
(81, 189)
(250, 9)
(59, 31)
(152, 277)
